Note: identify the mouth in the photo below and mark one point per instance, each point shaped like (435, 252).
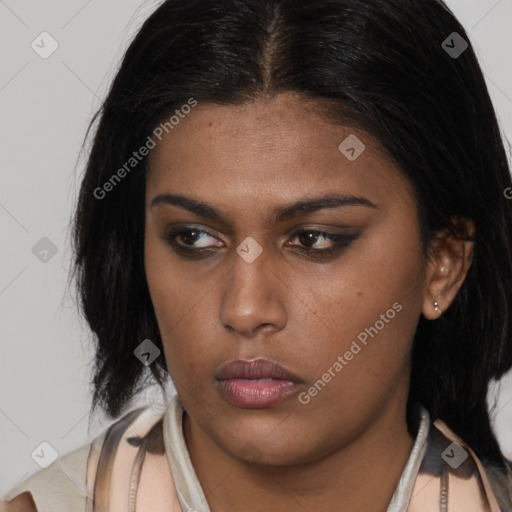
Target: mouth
(255, 384)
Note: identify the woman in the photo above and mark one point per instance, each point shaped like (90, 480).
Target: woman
(298, 211)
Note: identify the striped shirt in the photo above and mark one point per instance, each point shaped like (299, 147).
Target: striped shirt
(141, 463)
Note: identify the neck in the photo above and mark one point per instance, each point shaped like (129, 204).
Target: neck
(360, 475)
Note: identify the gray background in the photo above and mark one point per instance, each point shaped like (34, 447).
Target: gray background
(46, 105)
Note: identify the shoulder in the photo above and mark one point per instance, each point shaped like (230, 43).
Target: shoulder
(56, 487)
(451, 471)
(501, 481)
(70, 482)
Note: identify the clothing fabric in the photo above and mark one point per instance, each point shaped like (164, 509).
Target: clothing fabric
(141, 462)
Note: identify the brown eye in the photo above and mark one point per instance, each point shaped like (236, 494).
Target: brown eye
(192, 239)
(310, 238)
(322, 242)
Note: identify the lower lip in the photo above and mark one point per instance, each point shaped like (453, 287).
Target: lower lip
(254, 393)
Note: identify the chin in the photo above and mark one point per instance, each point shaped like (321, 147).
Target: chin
(271, 451)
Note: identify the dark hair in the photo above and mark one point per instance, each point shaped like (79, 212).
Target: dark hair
(378, 66)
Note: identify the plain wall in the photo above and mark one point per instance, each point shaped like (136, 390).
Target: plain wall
(45, 106)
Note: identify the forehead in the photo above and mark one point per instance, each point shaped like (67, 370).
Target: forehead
(269, 149)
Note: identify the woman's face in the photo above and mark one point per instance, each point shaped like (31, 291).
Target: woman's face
(341, 323)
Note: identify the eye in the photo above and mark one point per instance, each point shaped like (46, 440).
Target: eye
(322, 242)
(190, 236)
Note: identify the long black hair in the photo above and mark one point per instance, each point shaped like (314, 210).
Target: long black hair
(393, 68)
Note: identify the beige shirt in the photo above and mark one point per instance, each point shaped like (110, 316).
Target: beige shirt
(141, 463)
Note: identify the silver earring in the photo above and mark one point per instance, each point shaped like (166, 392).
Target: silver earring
(436, 306)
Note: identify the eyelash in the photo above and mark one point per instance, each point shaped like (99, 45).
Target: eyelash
(340, 241)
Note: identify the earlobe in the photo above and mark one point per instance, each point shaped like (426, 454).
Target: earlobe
(432, 309)
(448, 268)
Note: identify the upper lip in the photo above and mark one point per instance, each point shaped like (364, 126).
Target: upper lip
(259, 368)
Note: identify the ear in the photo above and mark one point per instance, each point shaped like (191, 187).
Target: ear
(447, 267)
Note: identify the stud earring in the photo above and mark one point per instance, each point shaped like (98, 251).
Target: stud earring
(436, 306)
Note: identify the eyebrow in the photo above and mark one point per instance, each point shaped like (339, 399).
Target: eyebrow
(279, 214)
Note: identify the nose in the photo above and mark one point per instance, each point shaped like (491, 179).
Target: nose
(253, 298)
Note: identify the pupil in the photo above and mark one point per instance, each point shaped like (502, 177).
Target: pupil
(309, 237)
(190, 236)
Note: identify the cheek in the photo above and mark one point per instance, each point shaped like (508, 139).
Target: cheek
(168, 296)
(387, 269)
(366, 282)
(178, 302)
(173, 291)
(365, 310)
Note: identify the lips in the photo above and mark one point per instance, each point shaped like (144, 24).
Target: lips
(255, 369)
(255, 384)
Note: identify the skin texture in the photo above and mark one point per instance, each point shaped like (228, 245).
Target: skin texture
(301, 311)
